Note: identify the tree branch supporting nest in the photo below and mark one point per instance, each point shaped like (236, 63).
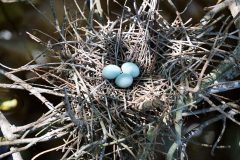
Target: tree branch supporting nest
(223, 71)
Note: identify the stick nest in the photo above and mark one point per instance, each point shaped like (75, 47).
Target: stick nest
(109, 121)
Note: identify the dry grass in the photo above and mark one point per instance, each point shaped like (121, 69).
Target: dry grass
(138, 122)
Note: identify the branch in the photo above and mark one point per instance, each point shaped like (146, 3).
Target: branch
(215, 9)
(229, 70)
(6, 129)
(49, 135)
(79, 123)
(234, 8)
(12, 1)
(39, 90)
(28, 87)
(178, 127)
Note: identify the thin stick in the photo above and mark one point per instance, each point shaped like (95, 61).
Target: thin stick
(28, 87)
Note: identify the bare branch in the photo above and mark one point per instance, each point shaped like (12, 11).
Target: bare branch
(28, 87)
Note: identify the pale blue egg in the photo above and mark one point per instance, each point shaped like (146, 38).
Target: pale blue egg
(124, 80)
(130, 68)
(111, 71)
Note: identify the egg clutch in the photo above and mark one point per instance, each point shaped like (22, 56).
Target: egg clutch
(123, 76)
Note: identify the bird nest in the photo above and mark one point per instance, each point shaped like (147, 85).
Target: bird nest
(102, 120)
